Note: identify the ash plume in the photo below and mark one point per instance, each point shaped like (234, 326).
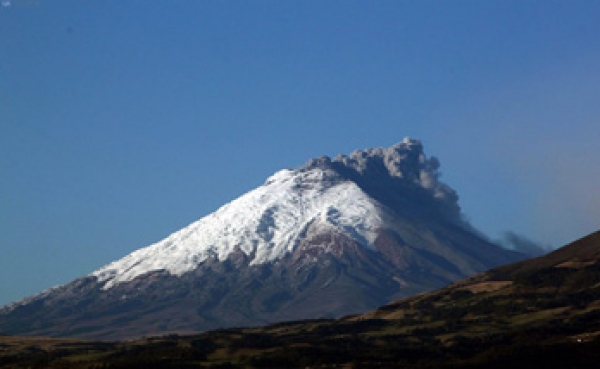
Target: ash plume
(524, 245)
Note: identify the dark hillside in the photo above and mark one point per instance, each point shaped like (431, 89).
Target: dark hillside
(543, 312)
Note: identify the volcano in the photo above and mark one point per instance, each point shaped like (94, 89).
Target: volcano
(330, 238)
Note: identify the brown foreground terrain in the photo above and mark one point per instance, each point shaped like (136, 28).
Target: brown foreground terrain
(543, 312)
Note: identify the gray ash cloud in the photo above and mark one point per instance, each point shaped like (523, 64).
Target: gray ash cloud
(514, 241)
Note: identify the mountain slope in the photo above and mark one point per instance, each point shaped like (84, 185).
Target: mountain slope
(543, 312)
(562, 285)
(334, 237)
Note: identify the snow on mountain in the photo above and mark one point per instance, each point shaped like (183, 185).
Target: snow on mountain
(264, 223)
(331, 238)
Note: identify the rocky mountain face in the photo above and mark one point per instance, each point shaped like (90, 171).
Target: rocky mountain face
(333, 237)
(543, 312)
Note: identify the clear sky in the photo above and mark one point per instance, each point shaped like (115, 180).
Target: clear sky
(123, 121)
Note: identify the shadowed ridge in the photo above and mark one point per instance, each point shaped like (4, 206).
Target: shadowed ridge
(585, 250)
(548, 315)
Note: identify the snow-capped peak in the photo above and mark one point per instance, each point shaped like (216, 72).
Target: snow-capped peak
(344, 194)
(331, 238)
(264, 223)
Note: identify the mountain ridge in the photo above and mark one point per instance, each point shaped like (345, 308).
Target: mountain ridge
(331, 238)
(351, 173)
(543, 312)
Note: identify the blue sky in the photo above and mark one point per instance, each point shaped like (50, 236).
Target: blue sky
(123, 121)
